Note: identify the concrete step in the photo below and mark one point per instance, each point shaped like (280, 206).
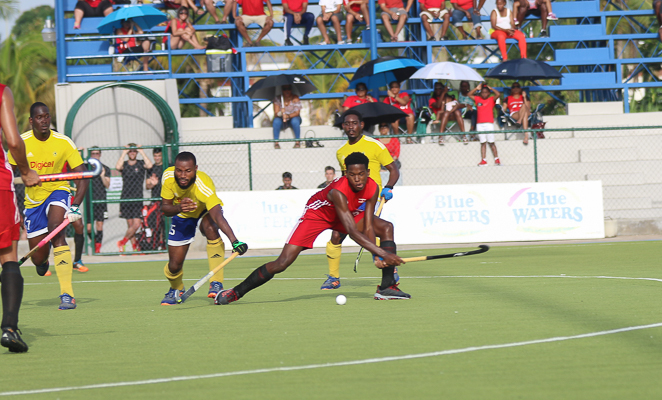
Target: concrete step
(598, 108)
(653, 213)
(633, 203)
(610, 155)
(627, 191)
(616, 179)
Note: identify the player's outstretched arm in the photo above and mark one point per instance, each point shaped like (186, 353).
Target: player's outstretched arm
(216, 214)
(14, 142)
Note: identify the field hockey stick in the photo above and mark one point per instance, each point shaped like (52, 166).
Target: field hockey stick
(71, 176)
(378, 213)
(482, 249)
(44, 241)
(205, 278)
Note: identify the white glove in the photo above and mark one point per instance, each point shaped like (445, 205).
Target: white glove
(73, 213)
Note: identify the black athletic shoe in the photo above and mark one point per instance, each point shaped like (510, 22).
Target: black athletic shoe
(225, 297)
(288, 42)
(12, 340)
(306, 41)
(43, 268)
(391, 293)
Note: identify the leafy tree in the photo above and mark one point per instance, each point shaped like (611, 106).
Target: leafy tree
(32, 21)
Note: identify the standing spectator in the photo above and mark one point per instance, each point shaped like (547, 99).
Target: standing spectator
(182, 31)
(539, 8)
(657, 10)
(357, 10)
(133, 174)
(99, 211)
(153, 182)
(432, 10)
(287, 182)
(91, 8)
(469, 9)
(252, 11)
(504, 28)
(467, 102)
(286, 114)
(401, 100)
(294, 13)
(361, 97)
(330, 175)
(394, 10)
(129, 44)
(485, 110)
(519, 107)
(392, 144)
(331, 12)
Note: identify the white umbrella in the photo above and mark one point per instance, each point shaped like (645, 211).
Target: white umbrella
(448, 71)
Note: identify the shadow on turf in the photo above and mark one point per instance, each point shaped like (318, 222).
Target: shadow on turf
(55, 302)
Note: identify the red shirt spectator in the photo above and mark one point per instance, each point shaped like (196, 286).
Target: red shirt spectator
(252, 7)
(514, 104)
(432, 3)
(465, 4)
(431, 106)
(392, 3)
(484, 109)
(295, 5)
(406, 108)
(355, 100)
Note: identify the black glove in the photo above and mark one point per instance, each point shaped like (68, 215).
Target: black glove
(239, 247)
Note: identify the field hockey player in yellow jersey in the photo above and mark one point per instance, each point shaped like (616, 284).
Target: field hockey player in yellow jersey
(47, 206)
(189, 197)
(377, 155)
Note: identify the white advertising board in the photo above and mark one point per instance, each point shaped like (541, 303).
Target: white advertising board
(440, 214)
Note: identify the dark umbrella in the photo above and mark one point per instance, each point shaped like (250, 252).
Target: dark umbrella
(523, 69)
(268, 88)
(374, 113)
(384, 70)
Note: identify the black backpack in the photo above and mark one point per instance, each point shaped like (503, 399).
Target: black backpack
(219, 43)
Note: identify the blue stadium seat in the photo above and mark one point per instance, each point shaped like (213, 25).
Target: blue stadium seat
(568, 32)
(87, 48)
(576, 9)
(88, 26)
(592, 56)
(602, 80)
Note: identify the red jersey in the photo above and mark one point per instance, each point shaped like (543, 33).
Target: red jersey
(484, 109)
(356, 6)
(392, 3)
(514, 104)
(295, 5)
(6, 174)
(406, 108)
(132, 41)
(464, 4)
(320, 208)
(431, 106)
(432, 3)
(93, 3)
(393, 146)
(352, 101)
(252, 7)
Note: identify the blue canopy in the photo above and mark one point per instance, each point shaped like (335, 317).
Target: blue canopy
(146, 17)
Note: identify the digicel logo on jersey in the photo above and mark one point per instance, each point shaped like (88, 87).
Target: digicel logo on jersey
(39, 165)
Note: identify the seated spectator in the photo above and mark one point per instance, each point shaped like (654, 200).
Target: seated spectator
(286, 114)
(485, 110)
(252, 11)
(361, 97)
(182, 31)
(392, 144)
(331, 12)
(657, 9)
(436, 102)
(432, 11)
(503, 25)
(91, 8)
(539, 8)
(401, 100)
(176, 4)
(467, 8)
(357, 10)
(519, 107)
(287, 182)
(130, 44)
(467, 102)
(396, 11)
(330, 175)
(294, 13)
(227, 10)
(451, 111)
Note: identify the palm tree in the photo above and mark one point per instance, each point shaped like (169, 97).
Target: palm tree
(8, 8)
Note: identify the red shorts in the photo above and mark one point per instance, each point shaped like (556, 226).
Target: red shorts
(307, 230)
(10, 228)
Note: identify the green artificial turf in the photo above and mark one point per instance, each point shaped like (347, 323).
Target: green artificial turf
(439, 340)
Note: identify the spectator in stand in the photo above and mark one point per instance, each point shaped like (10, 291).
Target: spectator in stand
(330, 175)
(287, 182)
(504, 28)
(394, 10)
(657, 10)
(361, 97)
(252, 11)
(451, 111)
(436, 102)
(286, 114)
(469, 9)
(331, 12)
(399, 99)
(99, 211)
(485, 110)
(519, 107)
(539, 8)
(467, 102)
(133, 172)
(294, 13)
(130, 44)
(392, 144)
(91, 8)
(176, 4)
(182, 31)
(227, 10)
(432, 11)
(357, 10)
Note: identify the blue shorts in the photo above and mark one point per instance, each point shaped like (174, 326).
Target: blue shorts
(182, 230)
(36, 219)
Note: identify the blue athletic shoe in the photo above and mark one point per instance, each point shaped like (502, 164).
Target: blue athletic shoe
(67, 302)
(396, 275)
(331, 283)
(214, 288)
(173, 297)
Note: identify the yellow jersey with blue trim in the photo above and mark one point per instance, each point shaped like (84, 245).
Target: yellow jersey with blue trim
(202, 192)
(376, 152)
(48, 157)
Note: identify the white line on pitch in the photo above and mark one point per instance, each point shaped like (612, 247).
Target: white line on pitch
(336, 364)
